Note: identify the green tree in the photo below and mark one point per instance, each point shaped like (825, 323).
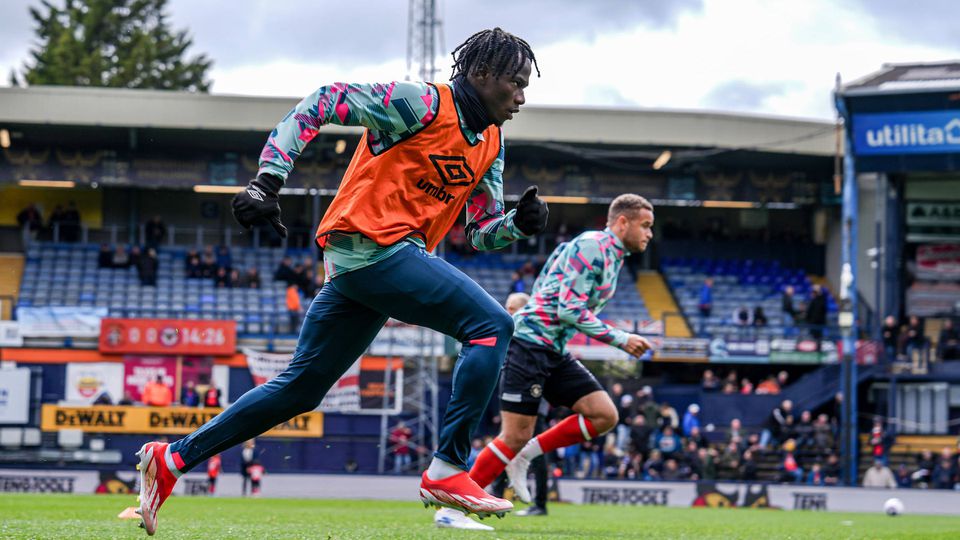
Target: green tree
(113, 43)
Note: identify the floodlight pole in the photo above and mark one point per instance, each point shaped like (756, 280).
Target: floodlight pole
(848, 299)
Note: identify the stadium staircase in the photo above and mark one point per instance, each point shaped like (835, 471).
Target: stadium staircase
(653, 289)
(12, 264)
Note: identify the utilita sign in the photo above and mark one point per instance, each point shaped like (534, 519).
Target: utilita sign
(935, 132)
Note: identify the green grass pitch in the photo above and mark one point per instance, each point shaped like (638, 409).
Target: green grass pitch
(92, 516)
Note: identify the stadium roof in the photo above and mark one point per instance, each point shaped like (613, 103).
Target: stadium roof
(908, 78)
(109, 107)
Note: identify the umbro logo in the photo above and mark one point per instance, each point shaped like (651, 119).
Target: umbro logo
(453, 170)
(255, 194)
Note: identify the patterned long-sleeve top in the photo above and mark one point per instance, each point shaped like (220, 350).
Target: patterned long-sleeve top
(577, 281)
(391, 113)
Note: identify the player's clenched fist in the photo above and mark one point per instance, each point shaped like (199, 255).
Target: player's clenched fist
(636, 345)
(260, 201)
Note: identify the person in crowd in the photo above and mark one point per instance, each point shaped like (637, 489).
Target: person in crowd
(710, 381)
(759, 317)
(923, 475)
(769, 386)
(783, 379)
(400, 441)
(748, 467)
(222, 279)
(647, 406)
(189, 396)
(823, 433)
(697, 436)
(127, 399)
(944, 474)
(877, 440)
(105, 257)
(251, 279)
(192, 265)
(208, 263)
(668, 416)
(667, 442)
(214, 466)
(690, 419)
(776, 422)
(653, 466)
(256, 472)
(640, 433)
(120, 259)
(746, 387)
(741, 316)
(902, 474)
(728, 389)
(147, 268)
(916, 339)
(155, 232)
(790, 470)
(211, 397)
(816, 315)
(157, 394)
(788, 309)
(29, 219)
(890, 335)
(235, 278)
(516, 283)
(879, 476)
(69, 221)
(804, 431)
(816, 477)
(294, 308)
(736, 431)
(285, 272)
(103, 399)
(224, 258)
(948, 342)
(831, 471)
(247, 456)
(705, 305)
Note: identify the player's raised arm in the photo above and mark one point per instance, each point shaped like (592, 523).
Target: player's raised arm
(488, 227)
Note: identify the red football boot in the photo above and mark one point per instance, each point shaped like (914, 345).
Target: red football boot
(156, 483)
(461, 493)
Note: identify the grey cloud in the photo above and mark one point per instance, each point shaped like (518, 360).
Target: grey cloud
(743, 95)
(932, 22)
(607, 95)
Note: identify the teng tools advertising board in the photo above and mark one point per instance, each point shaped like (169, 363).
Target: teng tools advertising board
(168, 336)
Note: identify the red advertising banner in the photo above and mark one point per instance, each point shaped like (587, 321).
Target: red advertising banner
(168, 336)
(139, 370)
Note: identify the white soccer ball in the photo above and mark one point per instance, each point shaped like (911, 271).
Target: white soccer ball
(893, 507)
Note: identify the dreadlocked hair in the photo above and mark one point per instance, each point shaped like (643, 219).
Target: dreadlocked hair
(493, 51)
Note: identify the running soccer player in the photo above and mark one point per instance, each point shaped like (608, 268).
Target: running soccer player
(576, 282)
(428, 150)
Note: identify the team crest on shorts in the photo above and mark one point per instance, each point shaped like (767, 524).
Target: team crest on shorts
(536, 390)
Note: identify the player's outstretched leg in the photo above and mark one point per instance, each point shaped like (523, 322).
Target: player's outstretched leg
(448, 518)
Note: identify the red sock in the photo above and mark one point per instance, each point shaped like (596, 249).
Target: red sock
(573, 429)
(490, 463)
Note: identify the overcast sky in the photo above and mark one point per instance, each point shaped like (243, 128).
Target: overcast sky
(771, 57)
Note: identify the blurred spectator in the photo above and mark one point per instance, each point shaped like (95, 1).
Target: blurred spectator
(70, 223)
(103, 399)
(773, 430)
(710, 381)
(741, 317)
(192, 265)
(256, 472)
(400, 441)
(746, 387)
(155, 231)
(879, 476)
(126, 400)
(945, 471)
(815, 477)
(667, 442)
(823, 433)
(705, 304)
(804, 431)
(729, 389)
(786, 306)
(147, 268)
(214, 466)
(903, 476)
(769, 386)
(120, 259)
(668, 416)
(783, 379)
(308, 284)
(211, 397)
(624, 403)
(235, 278)
(516, 283)
(135, 255)
(251, 279)
(696, 436)
(816, 315)
(105, 257)
(284, 271)
(759, 317)
(748, 467)
(735, 431)
(923, 476)
(647, 406)
(672, 471)
(293, 308)
(30, 219)
(653, 466)
(891, 337)
(55, 221)
(831, 471)
(948, 343)
(247, 456)
(877, 440)
(208, 264)
(640, 434)
(690, 419)
(730, 457)
(222, 279)
(732, 377)
(224, 259)
(189, 396)
(790, 470)
(916, 340)
(157, 394)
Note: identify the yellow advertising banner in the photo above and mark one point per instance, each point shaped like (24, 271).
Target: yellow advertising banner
(161, 420)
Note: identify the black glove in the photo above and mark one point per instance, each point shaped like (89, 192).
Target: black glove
(531, 216)
(260, 201)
